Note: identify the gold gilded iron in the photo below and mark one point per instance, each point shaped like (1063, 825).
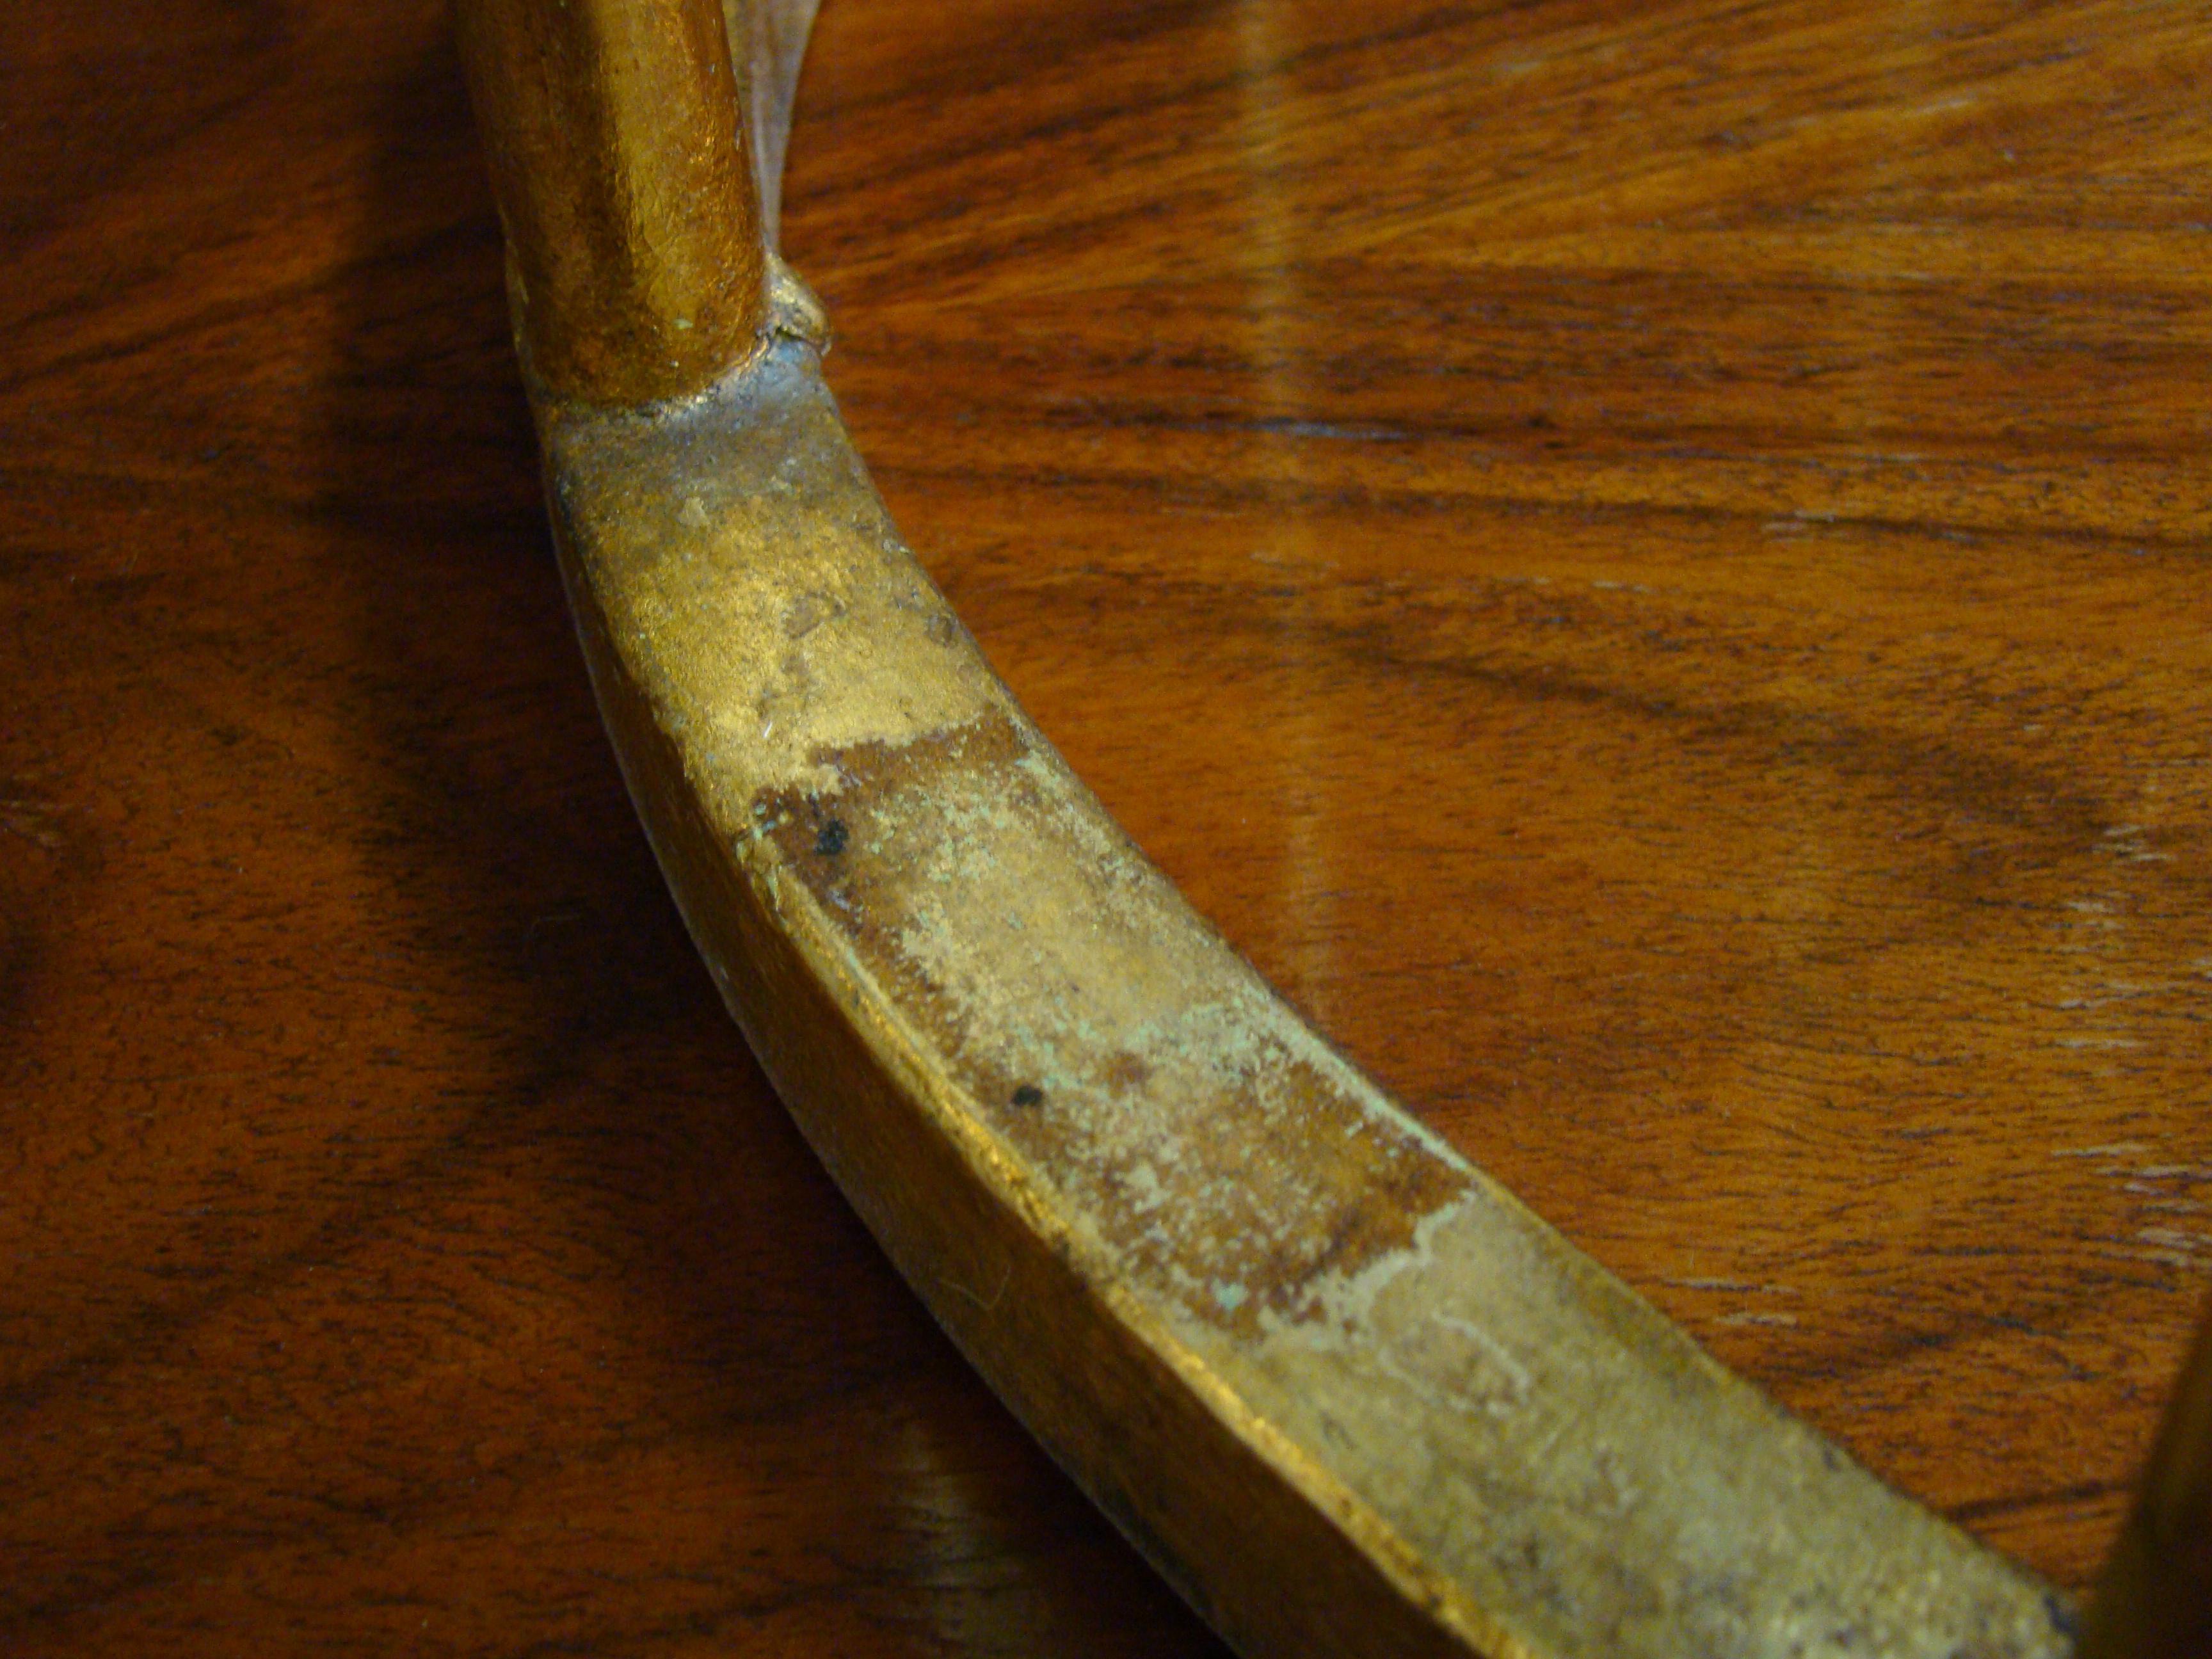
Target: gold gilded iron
(619, 157)
(1344, 1390)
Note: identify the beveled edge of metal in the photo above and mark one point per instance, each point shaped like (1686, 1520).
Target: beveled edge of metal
(1343, 1389)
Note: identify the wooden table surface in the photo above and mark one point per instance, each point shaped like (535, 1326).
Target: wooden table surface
(1646, 561)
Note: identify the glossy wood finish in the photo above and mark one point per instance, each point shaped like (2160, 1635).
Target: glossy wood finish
(1644, 562)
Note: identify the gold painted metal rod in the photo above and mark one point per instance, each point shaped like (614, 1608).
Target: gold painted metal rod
(619, 156)
(1338, 1385)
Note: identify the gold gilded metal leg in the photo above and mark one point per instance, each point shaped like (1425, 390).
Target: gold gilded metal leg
(620, 163)
(1347, 1393)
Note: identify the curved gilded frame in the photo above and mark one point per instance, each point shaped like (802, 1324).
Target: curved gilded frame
(1341, 1388)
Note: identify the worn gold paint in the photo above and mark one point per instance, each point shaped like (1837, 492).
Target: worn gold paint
(1347, 1392)
(1525, 1453)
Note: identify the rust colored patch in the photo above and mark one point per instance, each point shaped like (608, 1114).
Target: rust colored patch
(1103, 1031)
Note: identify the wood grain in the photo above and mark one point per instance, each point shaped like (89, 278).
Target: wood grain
(1645, 562)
